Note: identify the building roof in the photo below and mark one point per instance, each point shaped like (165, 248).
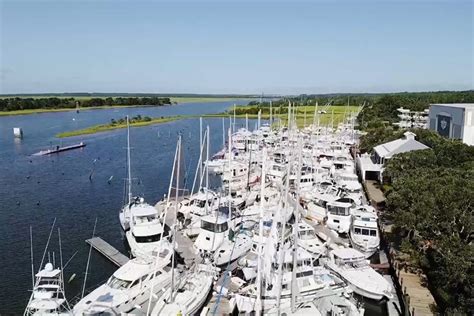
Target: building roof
(456, 105)
(402, 145)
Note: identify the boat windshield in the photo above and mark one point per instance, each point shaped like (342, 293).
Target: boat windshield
(199, 203)
(365, 232)
(338, 210)
(320, 202)
(146, 239)
(307, 234)
(145, 219)
(117, 283)
(213, 227)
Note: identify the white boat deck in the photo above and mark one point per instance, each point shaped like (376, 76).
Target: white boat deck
(108, 251)
(184, 245)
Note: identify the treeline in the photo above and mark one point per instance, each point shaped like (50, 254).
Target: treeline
(431, 200)
(384, 107)
(430, 196)
(14, 104)
(131, 120)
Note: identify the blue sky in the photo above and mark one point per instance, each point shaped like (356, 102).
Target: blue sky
(275, 47)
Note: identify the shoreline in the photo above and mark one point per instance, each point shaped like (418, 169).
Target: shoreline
(324, 119)
(175, 101)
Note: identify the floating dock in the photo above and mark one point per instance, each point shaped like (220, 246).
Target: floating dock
(108, 251)
(59, 149)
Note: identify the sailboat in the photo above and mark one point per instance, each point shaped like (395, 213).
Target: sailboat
(136, 213)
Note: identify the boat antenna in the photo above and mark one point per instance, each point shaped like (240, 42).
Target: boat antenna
(32, 264)
(89, 257)
(47, 244)
(129, 164)
(62, 266)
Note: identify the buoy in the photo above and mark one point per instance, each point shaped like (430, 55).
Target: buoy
(38, 203)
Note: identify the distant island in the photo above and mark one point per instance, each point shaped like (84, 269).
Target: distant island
(120, 123)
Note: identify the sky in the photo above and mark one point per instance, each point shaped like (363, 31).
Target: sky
(244, 47)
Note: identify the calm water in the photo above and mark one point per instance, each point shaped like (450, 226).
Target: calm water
(35, 190)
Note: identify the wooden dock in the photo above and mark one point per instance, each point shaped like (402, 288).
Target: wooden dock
(108, 251)
(417, 297)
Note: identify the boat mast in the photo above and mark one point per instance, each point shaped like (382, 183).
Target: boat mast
(175, 215)
(230, 174)
(88, 260)
(260, 235)
(223, 133)
(294, 286)
(129, 175)
(62, 268)
(202, 147)
(233, 125)
(168, 198)
(47, 244)
(271, 117)
(283, 229)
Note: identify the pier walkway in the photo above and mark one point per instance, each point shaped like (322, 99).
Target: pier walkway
(418, 298)
(108, 251)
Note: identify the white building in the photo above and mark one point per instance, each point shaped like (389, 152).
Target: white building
(371, 167)
(453, 120)
(412, 119)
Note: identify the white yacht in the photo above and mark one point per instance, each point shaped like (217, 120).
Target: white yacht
(222, 241)
(190, 293)
(364, 233)
(146, 229)
(311, 282)
(308, 240)
(130, 285)
(339, 216)
(352, 266)
(48, 296)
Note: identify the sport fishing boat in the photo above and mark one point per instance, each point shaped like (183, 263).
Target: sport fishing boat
(48, 296)
(130, 285)
(352, 266)
(134, 203)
